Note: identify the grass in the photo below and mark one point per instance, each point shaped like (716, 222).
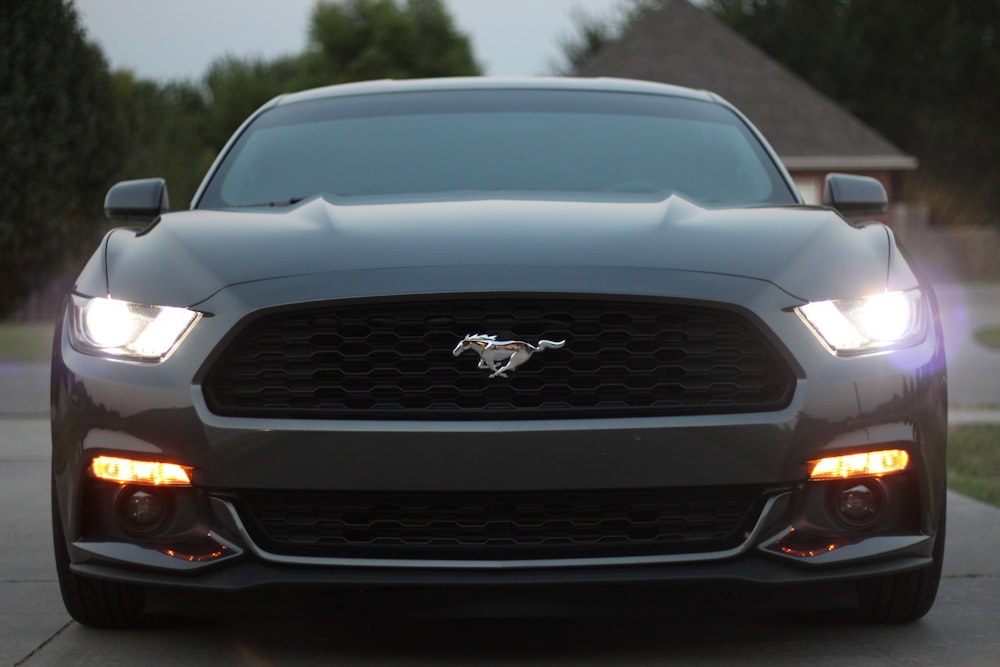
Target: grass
(25, 342)
(990, 337)
(974, 461)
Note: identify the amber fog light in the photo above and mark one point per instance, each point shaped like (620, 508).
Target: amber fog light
(860, 504)
(131, 471)
(864, 464)
(142, 510)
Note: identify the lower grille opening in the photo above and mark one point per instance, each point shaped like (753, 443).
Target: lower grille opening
(480, 526)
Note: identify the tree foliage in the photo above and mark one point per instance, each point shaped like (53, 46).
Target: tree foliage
(374, 39)
(70, 129)
(58, 140)
(165, 131)
(234, 88)
(924, 74)
(174, 131)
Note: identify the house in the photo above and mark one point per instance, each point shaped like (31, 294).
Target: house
(681, 44)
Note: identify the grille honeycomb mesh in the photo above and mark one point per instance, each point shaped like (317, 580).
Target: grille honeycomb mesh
(500, 525)
(394, 360)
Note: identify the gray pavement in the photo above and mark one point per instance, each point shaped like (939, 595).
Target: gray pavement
(959, 416)
(24, 388)
(30, 607)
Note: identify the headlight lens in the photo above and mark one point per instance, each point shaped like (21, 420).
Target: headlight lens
(868, 324)
(128, 330)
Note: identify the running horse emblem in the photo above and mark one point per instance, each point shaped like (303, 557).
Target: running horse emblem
(501, 356)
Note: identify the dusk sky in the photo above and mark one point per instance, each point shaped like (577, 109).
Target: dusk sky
(178, 39)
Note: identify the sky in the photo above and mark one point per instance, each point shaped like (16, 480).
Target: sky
(178, 39)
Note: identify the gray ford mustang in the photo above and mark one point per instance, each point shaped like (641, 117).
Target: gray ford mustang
(489, 333)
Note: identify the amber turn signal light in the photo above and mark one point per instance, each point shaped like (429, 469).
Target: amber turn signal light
(129, 471)
(865, 464)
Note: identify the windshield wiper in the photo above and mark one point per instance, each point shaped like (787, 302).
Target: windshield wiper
(272, 204)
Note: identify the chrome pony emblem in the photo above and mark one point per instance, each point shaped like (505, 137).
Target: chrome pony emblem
(501, 356)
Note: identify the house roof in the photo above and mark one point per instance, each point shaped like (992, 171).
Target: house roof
(681, 44)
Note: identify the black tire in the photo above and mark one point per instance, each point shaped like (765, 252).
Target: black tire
(901, 598)
(94, 602)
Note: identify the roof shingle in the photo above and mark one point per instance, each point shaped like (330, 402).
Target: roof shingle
(679, 43)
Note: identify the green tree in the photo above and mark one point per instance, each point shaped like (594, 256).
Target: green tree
(355, 40)
(349, 40)
(924, 74)
(59, 141)
(236, 87)
(165, 130)
(175, 130)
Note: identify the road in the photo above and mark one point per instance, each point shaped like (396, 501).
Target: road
(961, 629)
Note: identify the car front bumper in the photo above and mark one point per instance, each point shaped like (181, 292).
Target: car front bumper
(839, 405)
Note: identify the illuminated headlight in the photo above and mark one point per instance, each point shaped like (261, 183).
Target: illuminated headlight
(127, 330)
(868, 324)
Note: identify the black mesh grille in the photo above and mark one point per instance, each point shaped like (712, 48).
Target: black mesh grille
(394, 360)
(500, 525)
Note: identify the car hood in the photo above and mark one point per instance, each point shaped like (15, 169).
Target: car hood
(187, 256)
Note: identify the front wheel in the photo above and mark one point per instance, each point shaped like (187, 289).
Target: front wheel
(94, 602)
(901, 598)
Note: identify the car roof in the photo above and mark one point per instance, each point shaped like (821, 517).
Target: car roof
(495, 83)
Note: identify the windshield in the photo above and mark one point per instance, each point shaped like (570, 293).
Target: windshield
(497, 142)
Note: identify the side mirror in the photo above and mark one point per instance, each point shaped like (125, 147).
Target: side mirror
(143, 200)
(855, 196)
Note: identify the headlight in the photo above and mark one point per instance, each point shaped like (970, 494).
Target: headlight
(868, 324)
(127, 330)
